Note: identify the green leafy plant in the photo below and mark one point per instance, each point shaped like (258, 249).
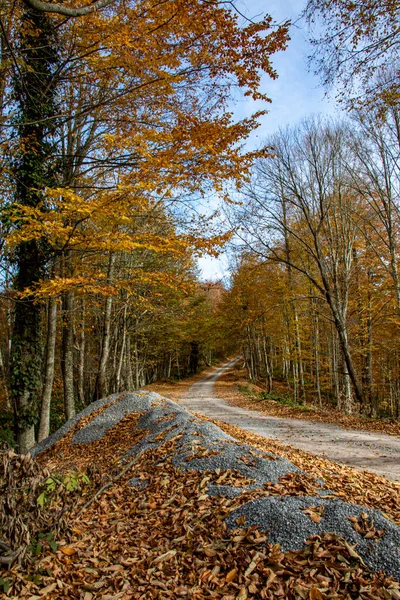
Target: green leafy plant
(286, 400)
(70, 481)
(5, 585)
(41, 541)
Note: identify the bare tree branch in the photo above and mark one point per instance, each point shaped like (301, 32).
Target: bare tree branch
(58, 9)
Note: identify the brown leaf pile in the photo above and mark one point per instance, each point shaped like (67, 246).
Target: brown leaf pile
(365, 526)
(21, 517)
(169, 541)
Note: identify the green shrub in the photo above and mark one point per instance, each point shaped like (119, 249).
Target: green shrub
(7, 429)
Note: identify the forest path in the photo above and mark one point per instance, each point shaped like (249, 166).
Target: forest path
(361, 449)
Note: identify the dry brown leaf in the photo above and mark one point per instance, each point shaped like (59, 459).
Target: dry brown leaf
(242, 595)
(48, 589)
(315, 594)
(315, 517)
(123, 530)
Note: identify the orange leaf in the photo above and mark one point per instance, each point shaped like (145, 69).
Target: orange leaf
(315, 517)
(315, 594)
(231, 575)
(68, 551)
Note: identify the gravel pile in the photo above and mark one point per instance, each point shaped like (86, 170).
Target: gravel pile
(202, 446)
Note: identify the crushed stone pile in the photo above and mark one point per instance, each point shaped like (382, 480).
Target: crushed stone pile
(240, 471)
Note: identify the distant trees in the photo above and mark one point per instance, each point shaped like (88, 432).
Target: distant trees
(318, 279)
(315, 296)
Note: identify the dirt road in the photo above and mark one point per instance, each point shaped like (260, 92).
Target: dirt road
(361, 449)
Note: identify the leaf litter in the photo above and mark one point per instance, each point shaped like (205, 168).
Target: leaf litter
(171, 541)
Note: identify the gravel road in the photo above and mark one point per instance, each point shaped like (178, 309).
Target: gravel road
(361, 449)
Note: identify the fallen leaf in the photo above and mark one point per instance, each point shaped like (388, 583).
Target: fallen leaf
(231, 576)
(48, 589)
(68, 551)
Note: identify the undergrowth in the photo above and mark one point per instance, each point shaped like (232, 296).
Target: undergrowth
(274, 397)
(33, 506)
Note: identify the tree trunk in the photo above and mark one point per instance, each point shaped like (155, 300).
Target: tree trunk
(44, 425)
(122, 351)
(268, 374)
(335, 366)
(350, 369)
(67, 361)
(128, 362)
(26, 352)
(137, 373)
(101, 387)
(82, 350)
(299, 357)
(3, 375)
(316, 352)
(33, 91)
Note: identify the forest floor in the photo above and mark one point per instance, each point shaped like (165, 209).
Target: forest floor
(223, 395)
(160, 535)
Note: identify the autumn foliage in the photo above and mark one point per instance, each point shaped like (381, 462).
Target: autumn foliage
(315, 296)
(116, 126)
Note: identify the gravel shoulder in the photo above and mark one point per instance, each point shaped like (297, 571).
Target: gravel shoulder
(376, 452)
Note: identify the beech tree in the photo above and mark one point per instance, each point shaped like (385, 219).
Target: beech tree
(301, 198)
(32, 167)
(376, 143)
(120, 106)
(358, 49)
(318, 269)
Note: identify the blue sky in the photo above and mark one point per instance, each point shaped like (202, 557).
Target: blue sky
(295, 94)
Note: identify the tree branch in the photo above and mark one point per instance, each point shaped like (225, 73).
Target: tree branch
(58, 9)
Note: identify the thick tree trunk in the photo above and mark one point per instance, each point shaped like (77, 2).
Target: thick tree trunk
(33, 91)
(350, 370)
(26, 352)
(3, 375)
(44, 425)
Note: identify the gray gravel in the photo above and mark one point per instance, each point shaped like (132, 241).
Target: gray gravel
(287, 525)
(64, 429)
(139, 484)
(202, 446)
